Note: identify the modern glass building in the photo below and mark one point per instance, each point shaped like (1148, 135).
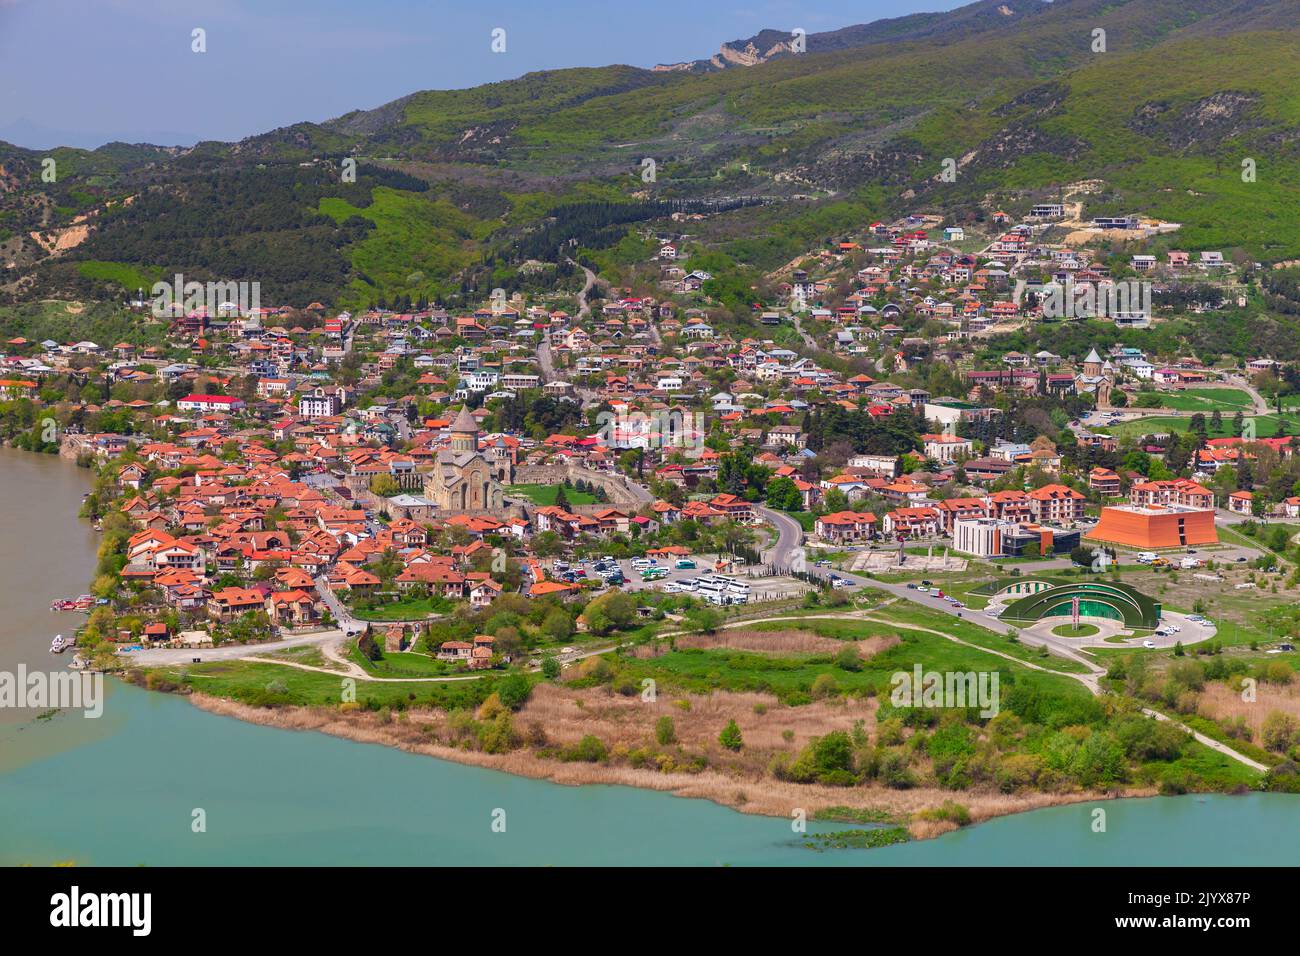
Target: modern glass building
(1105, 599)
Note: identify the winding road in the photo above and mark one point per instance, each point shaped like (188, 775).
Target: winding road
(790, 537)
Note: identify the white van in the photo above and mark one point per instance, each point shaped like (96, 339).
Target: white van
(1146, 557)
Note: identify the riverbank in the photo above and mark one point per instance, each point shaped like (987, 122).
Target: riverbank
(576, 733)
(766, 796)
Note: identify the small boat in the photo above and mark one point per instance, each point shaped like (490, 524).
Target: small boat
(83, 603)
(59, 645)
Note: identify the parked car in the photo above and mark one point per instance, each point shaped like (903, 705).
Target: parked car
(1148, 643)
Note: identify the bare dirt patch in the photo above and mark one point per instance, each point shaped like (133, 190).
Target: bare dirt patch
(569, 713)
(782, 642)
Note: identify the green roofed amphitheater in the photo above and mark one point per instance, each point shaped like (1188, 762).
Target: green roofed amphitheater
(1104, 599)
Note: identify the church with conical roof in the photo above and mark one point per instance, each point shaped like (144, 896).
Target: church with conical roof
(462, 478)
(1098, 376)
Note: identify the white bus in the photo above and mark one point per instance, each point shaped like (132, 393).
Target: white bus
(722, 590)
(713, 590)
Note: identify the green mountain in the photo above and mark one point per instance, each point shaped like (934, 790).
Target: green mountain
(1159, 101)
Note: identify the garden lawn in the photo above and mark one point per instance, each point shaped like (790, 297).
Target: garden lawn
(546, 494)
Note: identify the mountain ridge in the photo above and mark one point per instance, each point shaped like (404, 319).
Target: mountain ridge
(824, 138)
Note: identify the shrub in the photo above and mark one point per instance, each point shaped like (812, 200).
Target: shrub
(498, 736)
(625, 684)
(590, 749)
(491, 708)
(1018, 771)
(1144, 738)
(730, 736)
(949, 810)
(827, 760)
(1278, 672)
(894, 770)
(1278, 731)
(889, 733)
(514, 691)
(824, 686)
(665, 731)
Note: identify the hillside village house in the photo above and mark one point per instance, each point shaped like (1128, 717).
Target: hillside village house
(844, 527)
(287, 495)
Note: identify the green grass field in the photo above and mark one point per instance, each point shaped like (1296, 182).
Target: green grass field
(1069, 630)
(920, 616)
(413, 609)
(272, 684)
(401, 664)
(546, 494)
(791, 677)
(1266, 426)
(1226, 400)
(129, 277)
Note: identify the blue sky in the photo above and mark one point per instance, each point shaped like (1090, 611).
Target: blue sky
(84, 72)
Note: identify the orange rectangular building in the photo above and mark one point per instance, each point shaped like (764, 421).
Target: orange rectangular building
(1155, 526)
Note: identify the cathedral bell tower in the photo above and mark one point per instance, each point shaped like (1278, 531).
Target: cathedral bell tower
(464, 432)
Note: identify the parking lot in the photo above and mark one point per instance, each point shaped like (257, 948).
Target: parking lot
(762, 587)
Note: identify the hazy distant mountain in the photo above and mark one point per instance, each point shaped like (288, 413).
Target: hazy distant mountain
(977, 18)
(31, 135)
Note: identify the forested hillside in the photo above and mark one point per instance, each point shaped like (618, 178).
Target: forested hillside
(455, 189)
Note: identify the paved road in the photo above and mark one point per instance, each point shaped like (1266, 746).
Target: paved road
(346, 621)
(789, 537)
(1091, 680)
(161, 656)
(638, 491)
(1262, 406)
(544, 360)
(583, 309)
(808, 340)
